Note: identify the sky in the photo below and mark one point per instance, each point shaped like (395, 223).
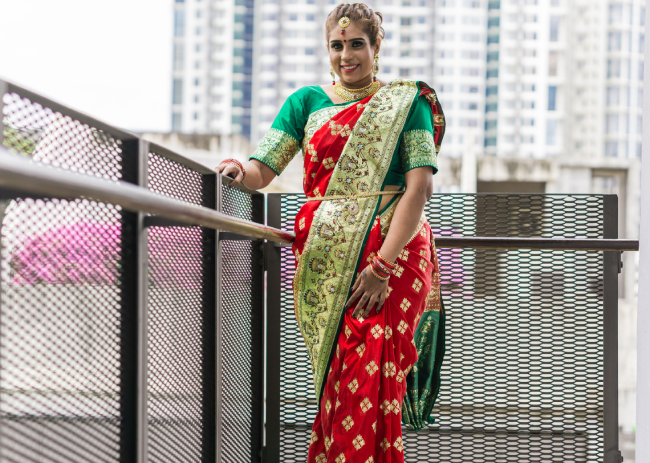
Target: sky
(110, 60)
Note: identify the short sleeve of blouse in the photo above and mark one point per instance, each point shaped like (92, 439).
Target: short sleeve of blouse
(422, 135)
(282, 142)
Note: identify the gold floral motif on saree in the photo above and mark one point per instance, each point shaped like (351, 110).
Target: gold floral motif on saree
(276, 149)
(316, 120)
(339, 227)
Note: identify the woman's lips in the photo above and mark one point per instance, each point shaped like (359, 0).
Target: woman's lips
(350, 69)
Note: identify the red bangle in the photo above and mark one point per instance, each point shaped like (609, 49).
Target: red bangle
(374, 272)
(378, 270)
(387, 263)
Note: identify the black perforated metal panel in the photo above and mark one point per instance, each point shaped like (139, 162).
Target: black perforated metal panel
(178, 314)
(60, 299)
(523, 373)
(242, 335)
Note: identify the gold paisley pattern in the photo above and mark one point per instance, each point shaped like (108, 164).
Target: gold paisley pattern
(417, 150)
(276, 150)
(339, 227)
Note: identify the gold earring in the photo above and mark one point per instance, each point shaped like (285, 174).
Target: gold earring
(332, 74)
(375, 68)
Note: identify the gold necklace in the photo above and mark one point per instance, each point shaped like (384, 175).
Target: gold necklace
(351, 94)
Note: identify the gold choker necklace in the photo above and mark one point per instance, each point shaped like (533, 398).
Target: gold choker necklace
(351, 94)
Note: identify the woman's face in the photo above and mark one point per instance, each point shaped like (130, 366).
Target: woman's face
(352, 55)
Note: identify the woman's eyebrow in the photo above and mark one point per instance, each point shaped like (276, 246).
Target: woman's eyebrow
(339, 41)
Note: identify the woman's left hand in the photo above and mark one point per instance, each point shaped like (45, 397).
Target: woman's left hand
(371, 289)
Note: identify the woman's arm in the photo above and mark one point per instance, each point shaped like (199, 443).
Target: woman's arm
(258, 174)
(419, 188)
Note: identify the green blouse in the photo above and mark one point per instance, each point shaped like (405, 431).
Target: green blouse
(309, 108)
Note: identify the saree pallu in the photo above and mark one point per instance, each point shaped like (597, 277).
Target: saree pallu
(369, 376)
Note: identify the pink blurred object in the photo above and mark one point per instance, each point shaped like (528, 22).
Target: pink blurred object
(83, 253)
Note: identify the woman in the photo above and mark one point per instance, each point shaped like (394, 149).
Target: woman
(375, 341)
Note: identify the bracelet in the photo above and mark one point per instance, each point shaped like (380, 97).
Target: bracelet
(387, 263)
(372, 269)
(236, 163)
(378, 271)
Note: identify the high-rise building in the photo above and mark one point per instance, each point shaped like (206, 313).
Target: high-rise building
(516, 78)
(212, 66)
(564, 78)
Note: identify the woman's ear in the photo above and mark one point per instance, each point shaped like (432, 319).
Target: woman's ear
(377, 46)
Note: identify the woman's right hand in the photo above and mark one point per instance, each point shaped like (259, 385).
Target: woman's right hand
(232, 171)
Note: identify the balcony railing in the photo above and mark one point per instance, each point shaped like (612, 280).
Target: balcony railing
(136, 324)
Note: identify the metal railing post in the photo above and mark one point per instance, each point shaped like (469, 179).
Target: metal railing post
(258, 337)
(218, 325)
(133, 368)
(209, 313)
(273, 329)
(610, 335)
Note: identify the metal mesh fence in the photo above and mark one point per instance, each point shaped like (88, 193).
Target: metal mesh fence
(177, 314)
(60, 298)
(242, 334)
(69, 311)
(523, 372)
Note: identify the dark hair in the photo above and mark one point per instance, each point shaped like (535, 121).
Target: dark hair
(359, 13)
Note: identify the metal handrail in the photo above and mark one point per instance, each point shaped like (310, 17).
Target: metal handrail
(25, 176)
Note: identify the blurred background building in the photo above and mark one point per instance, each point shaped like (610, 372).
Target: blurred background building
(540, 96)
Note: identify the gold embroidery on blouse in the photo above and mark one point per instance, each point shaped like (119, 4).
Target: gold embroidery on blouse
(417, 150)
(276, 150)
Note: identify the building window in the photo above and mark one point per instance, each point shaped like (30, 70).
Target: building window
(176, 122)
(613, 68)
(613, 96)
(197, 82)
(198, 31)
(551, 130)
(196, 116)
(611, 124)
(309, 51)
(468, 105)
(179, 56)
(552, 63)
(179, 23)
(614, 41)
(552, 98)
(555, 29)
(404, 72)
(611, 149)
(616, 13)
(310, 17)
(177, 91)
(196, 99)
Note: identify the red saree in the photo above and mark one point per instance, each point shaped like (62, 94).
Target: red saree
(373, 375)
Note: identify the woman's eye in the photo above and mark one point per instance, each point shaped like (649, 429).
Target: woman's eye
(356, 44)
